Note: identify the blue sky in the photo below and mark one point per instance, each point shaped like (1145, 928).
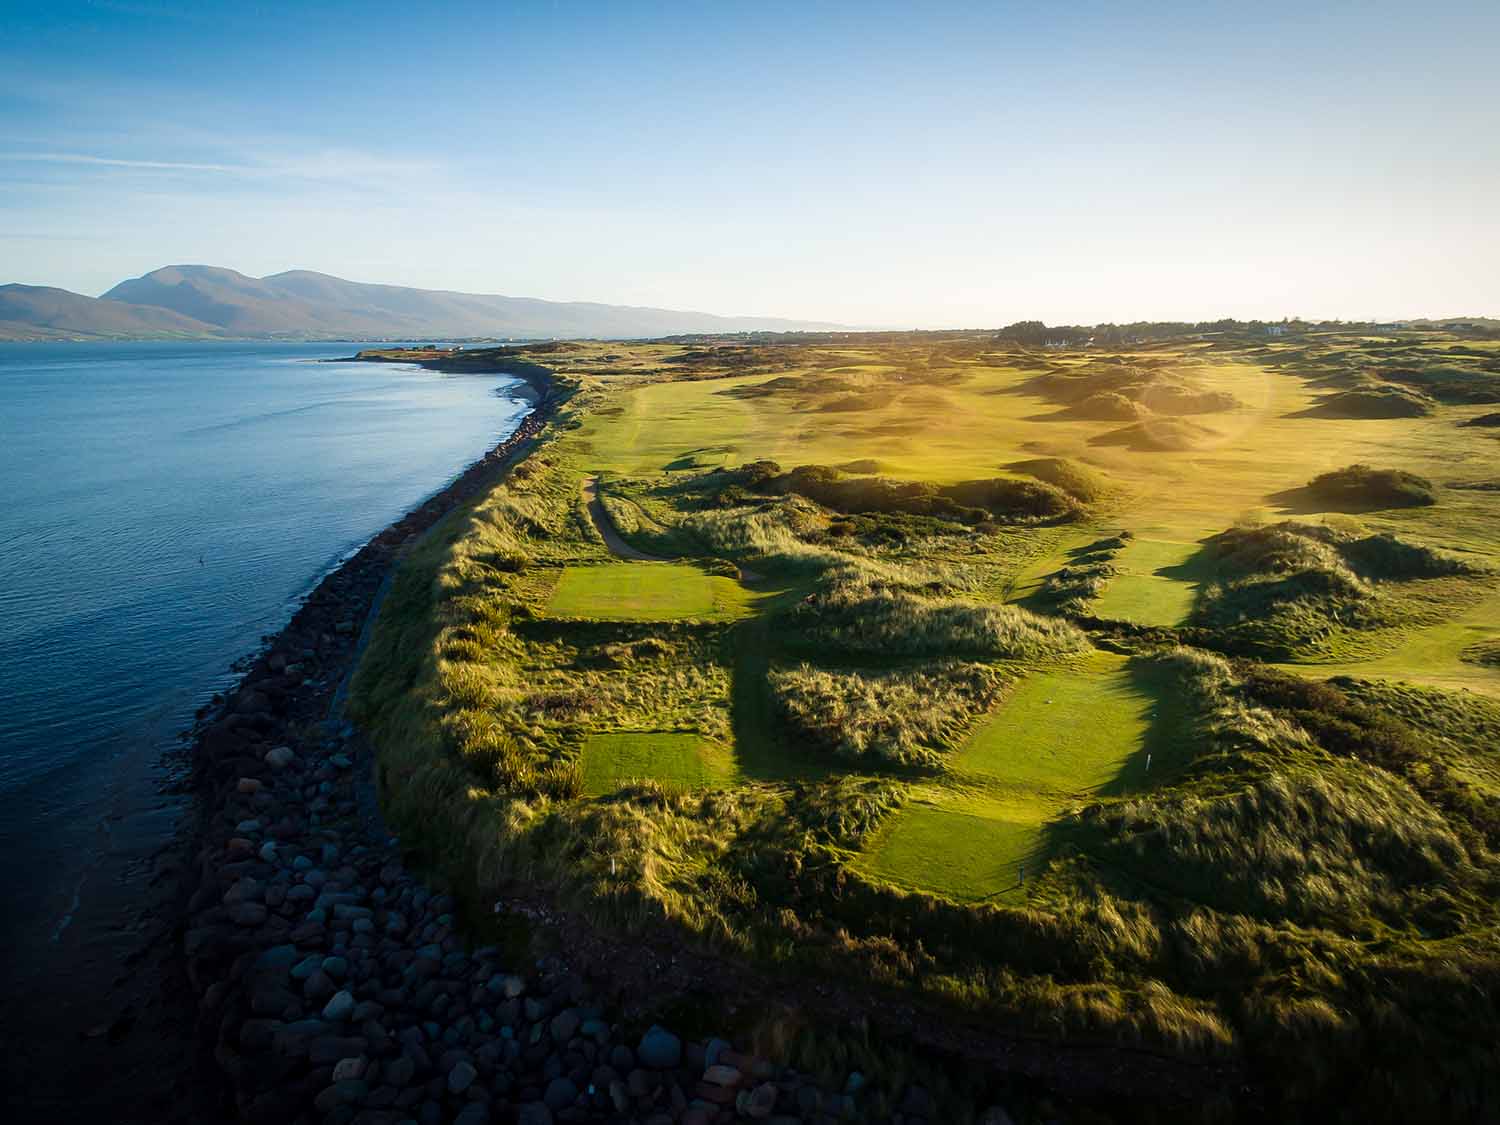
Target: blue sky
(872, 163)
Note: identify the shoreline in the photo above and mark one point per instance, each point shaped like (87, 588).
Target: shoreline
(204, 960)
(319, 964)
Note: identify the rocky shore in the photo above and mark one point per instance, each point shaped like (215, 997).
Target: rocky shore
(335, 986)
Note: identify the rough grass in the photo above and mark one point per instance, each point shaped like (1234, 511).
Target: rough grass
(1287, 587)
(1361, 488)
(905, 717)
(862, 614)
(1088, 485)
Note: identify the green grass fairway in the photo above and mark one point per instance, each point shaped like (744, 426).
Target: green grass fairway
(1156, 584)
(1064, 732)
(675, 759)
(642, 591)
(1060, 737)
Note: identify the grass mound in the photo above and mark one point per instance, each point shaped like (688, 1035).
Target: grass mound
(906, 717)
(1089, 568)
(1110, 391)
(1109, 406)
(1087, 484)
(1287, 586)
(1489, 421)
(865, 616)
(966, 502)
(1483, 652)
(1361, 488)
(1379, 400)
(1169, 435)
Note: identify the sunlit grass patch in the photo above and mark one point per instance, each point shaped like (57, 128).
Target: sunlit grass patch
(641, 591)
(1063, 732)
(1155, 585)
(674, 759)
(961, 849)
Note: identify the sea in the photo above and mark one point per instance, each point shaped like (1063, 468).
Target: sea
(163, 508)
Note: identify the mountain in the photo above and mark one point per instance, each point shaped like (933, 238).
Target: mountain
(37, 312)
(305, 305)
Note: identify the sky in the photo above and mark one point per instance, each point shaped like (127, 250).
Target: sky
(922, 164)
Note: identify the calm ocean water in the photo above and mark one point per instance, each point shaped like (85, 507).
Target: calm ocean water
(164, 506)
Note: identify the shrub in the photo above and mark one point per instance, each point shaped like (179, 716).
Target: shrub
(1360, 486)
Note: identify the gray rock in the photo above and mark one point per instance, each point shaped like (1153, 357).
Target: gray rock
(349, 1068)
(995, 1115)
(759, 1102)
(399, 1071)
(475, 1113)
(341, 1093)
(462, 1076)
(534, 1113)
(341, 1007)
(561, 1093)
(659, 1049)
(714, 1048)
(565, 1025)
(318, 987)
(280, 757)
(336, 967)
(247, 913)
(511, 986)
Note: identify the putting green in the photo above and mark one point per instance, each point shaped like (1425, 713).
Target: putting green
(674, 758)
(1061, 737)
(1155, 584)
(646, 591)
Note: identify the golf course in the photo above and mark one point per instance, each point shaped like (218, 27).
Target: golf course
(1081, 691)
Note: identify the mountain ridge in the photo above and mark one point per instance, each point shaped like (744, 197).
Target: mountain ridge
(213, 302)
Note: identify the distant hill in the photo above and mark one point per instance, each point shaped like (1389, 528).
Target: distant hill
(300, 304)
(37, 312)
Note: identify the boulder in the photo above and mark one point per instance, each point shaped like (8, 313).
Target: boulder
(659, 1049)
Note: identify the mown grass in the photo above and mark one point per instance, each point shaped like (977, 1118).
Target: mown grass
(645, 592)
(1155, 583)
(614, 759)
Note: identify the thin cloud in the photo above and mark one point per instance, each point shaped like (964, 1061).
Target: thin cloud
(330, 165)
(112, 162)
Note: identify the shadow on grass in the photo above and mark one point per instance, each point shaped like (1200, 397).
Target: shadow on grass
(760, 753)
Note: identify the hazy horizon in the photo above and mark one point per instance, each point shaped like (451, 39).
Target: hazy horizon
(873, 164)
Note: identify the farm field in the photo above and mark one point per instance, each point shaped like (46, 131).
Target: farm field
(1056, 687)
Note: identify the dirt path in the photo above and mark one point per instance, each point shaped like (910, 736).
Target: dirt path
(606, 526)
(617, 545)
